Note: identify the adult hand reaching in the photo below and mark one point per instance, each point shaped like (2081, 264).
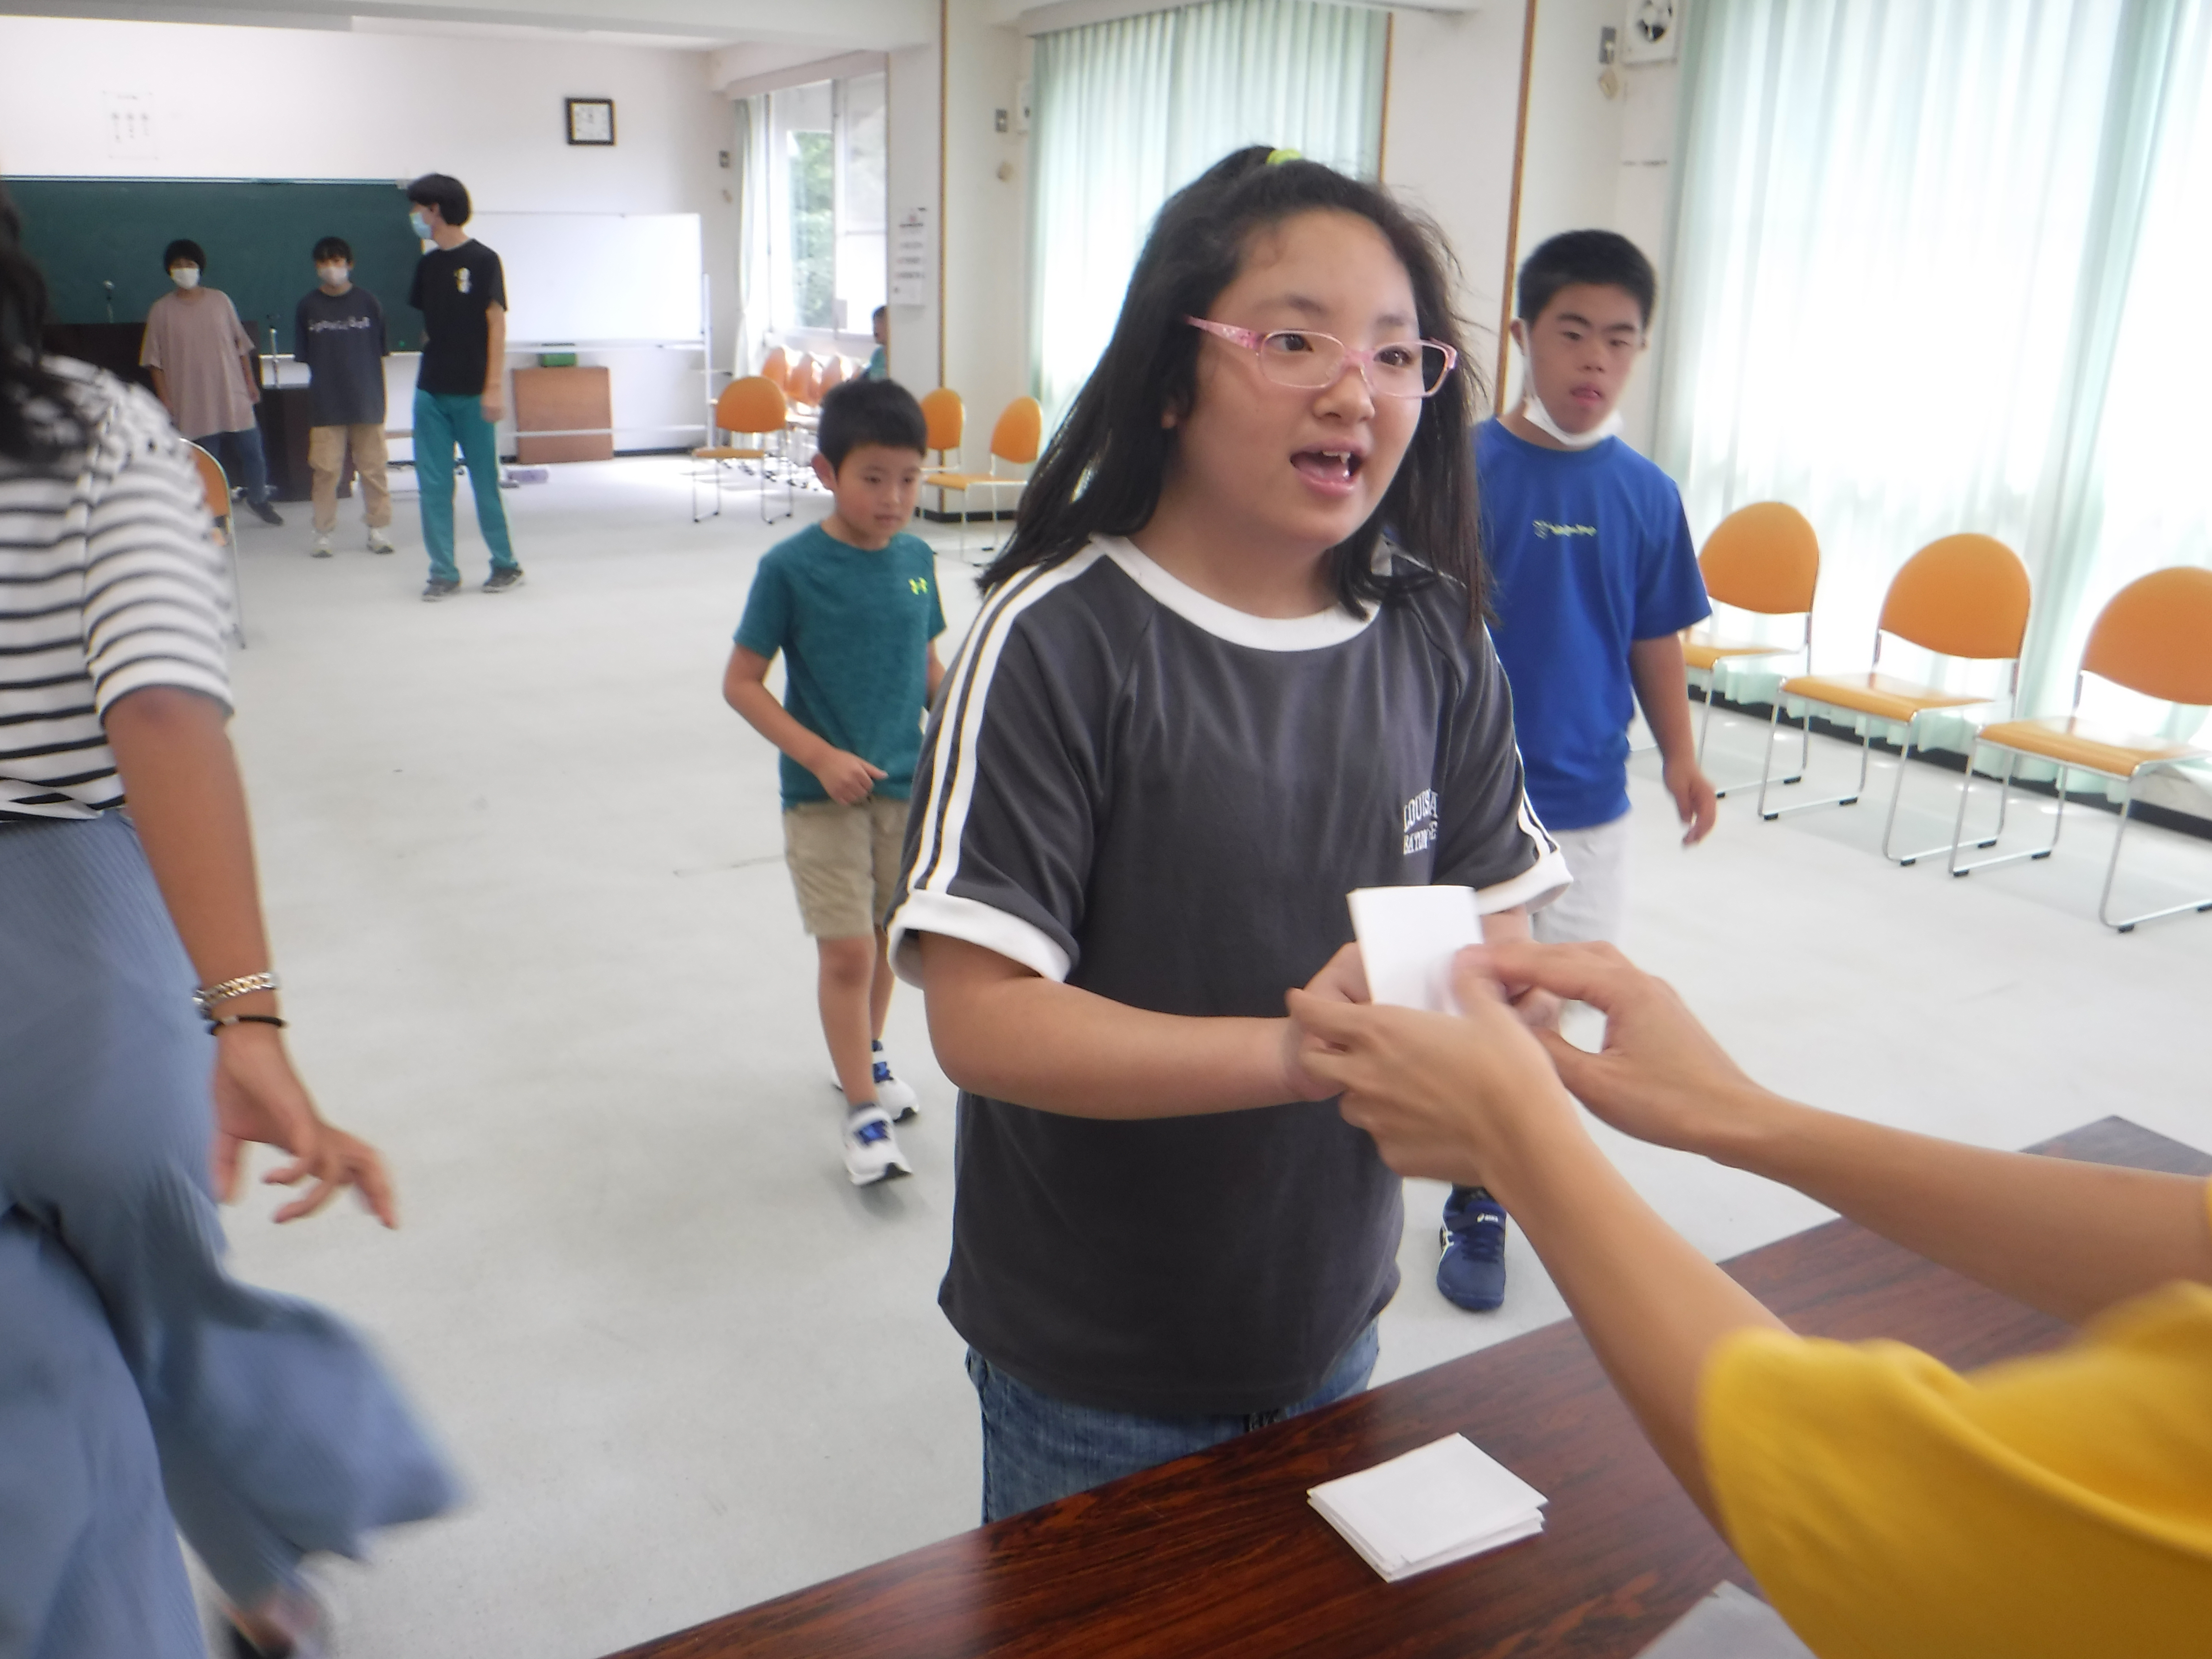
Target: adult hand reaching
(259, 1097)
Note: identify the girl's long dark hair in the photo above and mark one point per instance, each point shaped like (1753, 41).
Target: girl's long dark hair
(1102, 473)
(26, 434)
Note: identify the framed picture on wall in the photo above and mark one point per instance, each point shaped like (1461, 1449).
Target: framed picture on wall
(590, 120)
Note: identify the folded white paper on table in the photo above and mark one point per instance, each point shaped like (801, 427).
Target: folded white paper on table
(1432, 1507)
(1407, 938)
(1729, 1623)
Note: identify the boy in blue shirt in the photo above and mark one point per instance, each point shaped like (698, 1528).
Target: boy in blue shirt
(1594, 576)
(852, 604)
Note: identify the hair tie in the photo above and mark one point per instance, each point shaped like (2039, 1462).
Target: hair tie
(1277, 157)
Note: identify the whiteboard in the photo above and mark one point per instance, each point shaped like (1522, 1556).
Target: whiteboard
(574, 276)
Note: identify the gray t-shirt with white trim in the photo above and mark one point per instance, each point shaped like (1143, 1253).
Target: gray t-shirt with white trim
(1131, 788)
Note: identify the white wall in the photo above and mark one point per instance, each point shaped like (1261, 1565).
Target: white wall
(987, 335)
(1448, 143)
(327, 104)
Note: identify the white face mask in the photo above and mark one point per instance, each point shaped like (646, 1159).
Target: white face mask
(1536, 415)
(185, 275)
(422, 225)
(334, 275)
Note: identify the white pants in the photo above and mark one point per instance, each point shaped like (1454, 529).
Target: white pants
(1592, 907)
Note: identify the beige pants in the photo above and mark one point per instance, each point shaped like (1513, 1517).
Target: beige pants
(326, 451)
(845, 863)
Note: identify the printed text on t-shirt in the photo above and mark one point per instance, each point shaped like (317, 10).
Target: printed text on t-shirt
(1420, 822)
(1544, 528)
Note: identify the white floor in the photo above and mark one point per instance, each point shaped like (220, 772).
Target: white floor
(524, 876)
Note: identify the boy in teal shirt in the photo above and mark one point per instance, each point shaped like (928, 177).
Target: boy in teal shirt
(852, 604)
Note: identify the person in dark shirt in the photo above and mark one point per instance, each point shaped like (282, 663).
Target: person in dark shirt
(338, 332)
(461, 391)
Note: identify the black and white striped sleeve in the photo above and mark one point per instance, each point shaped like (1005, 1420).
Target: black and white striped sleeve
(1001, 836)
(156, 597)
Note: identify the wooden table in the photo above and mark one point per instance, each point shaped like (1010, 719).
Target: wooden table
(1219, 1555)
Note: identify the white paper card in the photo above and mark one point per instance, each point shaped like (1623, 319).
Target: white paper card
(1440, 1503)
(1729, 1623)
(1407, 938)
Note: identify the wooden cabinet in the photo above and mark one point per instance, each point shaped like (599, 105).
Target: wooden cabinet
(577, 401)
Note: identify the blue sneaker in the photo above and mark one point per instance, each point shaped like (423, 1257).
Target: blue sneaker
(1472, 1272)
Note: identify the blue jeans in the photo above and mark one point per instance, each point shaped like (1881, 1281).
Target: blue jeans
(244, 460)
(443, 419)
(1038, 1449)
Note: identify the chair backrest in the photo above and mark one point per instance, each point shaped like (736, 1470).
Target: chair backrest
(213, 484)
(2154, 636)
(1961, 596)
(1019, 430)
(752, 404)
(809, 384)
(776, 366)
(945, 415)
(1764, 557)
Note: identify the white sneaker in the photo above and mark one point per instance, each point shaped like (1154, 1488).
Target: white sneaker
(322, 544)
(871, 1152)
(894, 1094)
(381, 543)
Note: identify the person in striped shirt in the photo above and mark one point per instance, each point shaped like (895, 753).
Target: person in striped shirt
(133, 1367)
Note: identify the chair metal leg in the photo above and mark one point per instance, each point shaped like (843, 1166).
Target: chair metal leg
(1905, 861)
(1866, 755)
(237, 585)
(2127, 925)
(1704, 725)
(2004, 795)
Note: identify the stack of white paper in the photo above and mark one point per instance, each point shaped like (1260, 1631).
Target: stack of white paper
(1408, 937)
(1428, 1508)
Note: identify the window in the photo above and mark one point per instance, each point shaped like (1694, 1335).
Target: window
(814, 217)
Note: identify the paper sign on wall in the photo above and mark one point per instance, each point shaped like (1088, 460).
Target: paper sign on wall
(910, 258)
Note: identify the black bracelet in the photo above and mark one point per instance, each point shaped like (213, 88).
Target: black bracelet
(215, 1022)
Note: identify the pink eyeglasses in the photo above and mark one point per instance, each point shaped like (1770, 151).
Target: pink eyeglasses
(1299, 357)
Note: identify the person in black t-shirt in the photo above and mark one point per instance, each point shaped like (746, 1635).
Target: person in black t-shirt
(338, 332)
(1204, 700)
(461, 391)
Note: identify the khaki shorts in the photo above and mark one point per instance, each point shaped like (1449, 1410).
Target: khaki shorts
(845, 863)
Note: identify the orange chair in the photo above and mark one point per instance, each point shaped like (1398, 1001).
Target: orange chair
(776, 366)
(217, 487)
(946, 416)
(2154, 636)
(1961, 595)
(752, 407)
(1763, 558)
(1014, 440)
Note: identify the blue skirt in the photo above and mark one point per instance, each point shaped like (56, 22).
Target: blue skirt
(131, 1365)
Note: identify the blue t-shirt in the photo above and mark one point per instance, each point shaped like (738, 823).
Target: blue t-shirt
(854, 628)
(1589, 552)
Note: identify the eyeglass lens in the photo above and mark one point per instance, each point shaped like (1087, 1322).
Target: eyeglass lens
(1403, 368)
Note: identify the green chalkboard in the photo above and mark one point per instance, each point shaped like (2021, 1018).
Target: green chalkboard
(260, 235)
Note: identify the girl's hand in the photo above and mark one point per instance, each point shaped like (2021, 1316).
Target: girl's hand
(259, 1097)
(1453, 1097)
(1660, 1076)
(848, 778)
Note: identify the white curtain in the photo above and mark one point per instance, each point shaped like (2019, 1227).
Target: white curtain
(1126, 113)
(756, 220)
(1933, 260)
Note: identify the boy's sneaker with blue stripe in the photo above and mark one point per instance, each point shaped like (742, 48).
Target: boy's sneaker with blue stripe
(871, 1151)
(1472, 1272)
(895, 1096)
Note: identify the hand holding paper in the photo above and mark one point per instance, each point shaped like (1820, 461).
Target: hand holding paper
(1408, 937)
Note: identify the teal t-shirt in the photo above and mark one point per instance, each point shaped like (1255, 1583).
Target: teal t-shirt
(854, 629)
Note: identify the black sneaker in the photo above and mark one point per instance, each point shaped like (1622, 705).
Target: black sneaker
(263, 512)
(499, 581)
(441, 588)
(1471, 1273)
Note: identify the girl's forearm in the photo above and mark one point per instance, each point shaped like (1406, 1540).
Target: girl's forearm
(1000, 1031)
(2068, 1237)
(181, 780)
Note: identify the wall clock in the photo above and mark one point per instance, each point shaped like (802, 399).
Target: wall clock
(590, 120)
(1654, 32)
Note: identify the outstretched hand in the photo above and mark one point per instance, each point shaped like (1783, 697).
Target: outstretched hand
(259, 1097)
(1660, 1077)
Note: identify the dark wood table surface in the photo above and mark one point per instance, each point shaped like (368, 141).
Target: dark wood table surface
(1219, 1554)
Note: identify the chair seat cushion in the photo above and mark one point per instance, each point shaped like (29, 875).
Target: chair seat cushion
(1883, 695)
(963, 480)
(727, 452)
(1703, 654)
(2076, 742)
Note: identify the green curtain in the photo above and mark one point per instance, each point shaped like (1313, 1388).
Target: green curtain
(1128, 111)
(1930, 269)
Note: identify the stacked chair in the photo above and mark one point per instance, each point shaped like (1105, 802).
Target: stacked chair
(2154, 637)
(1014, 441)
(752, 407)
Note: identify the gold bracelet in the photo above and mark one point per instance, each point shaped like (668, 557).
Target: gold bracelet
(207, 996)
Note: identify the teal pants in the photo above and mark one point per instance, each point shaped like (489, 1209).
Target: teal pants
(443, 420)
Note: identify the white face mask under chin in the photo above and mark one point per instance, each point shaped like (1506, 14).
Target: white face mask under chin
(1533, 412)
